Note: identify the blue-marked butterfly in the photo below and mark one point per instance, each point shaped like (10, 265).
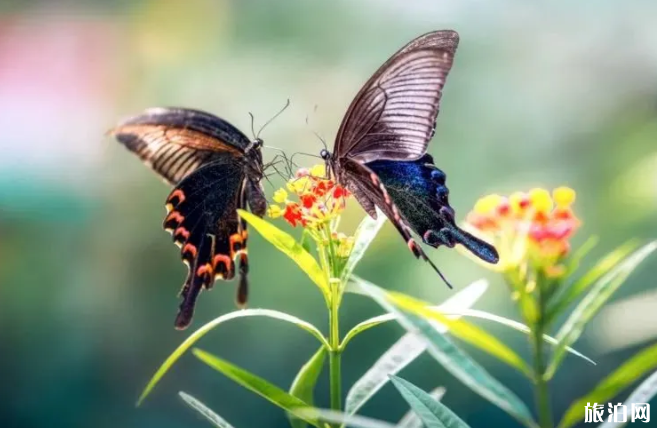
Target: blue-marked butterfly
(380, 148)
(215, 169)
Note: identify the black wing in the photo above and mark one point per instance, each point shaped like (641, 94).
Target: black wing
(418, 190)
(176, 141)
(356, 175)
(393, 117)
(202, 217)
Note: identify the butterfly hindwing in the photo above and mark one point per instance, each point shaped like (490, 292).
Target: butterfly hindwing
(419, 191)
(374, 191)
(202, 218)
(176, 141)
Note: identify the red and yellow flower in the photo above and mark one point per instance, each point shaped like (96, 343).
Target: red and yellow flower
(533, 227)
(310, 199)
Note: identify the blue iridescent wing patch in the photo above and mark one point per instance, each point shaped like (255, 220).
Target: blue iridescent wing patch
(419, 191)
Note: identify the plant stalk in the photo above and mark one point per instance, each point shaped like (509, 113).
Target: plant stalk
(541, 388)
(335, 354)
(542, 392)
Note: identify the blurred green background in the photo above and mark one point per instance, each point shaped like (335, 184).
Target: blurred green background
(540, 95)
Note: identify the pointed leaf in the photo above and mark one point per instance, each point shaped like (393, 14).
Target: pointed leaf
(303, 386)
(411, 419)
(567, 295)
(354, 421)
(208, 414)
(461, 329)
(517, 326)
(578, 255)
(405, 350)
(594, 300)
(453, 359)
(630, 371)
(365, 234)
(290, 247)
(198, 334)
(433, 413)
(455, 304)
(642, 394)
(258, 385)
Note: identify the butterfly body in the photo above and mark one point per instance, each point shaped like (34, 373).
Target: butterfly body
(215, 170)
(380, 150)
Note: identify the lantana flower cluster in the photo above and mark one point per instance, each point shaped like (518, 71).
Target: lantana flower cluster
(535, 227)
(318, 199)
(313, 201)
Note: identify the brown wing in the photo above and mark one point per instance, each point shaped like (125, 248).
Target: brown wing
(393, 117)
(176, 141)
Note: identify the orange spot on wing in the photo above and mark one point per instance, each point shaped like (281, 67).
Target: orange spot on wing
(206, 269)
(176, 216)
(189, 248)
(179, 194)
(222, 258)
(181, 232)
(413, 247)
(237, 238)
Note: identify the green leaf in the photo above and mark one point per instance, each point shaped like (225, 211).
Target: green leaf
(290, 247)
(578, 255)
(306, 240)
(642, 394)
(303, 386)
(453, 359)
(354, 421)
(258, 385)
(462, 329)
(405, 350)
(433, 413)
(411, 419)
(516, 326)
(198, 334)
(630, 371)
(460, 301)
(567, 295)
(365, 234)
(594, 300)
(208, 414)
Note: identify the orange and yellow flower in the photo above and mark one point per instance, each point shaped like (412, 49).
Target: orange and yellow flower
(310, 199)
(531, 227)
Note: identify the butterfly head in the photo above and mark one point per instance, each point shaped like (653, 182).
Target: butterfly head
(325, 154)
(257, 143)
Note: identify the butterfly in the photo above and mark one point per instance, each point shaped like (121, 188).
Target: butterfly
(380, 153)
(215, 170)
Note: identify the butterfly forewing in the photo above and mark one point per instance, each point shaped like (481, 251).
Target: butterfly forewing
(176, 141)
(443, 39)
(394, 116)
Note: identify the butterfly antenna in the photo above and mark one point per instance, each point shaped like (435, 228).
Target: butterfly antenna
(252, 126)
(287, 104)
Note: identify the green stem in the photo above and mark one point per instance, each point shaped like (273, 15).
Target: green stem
(334, 351)
(541, 389)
